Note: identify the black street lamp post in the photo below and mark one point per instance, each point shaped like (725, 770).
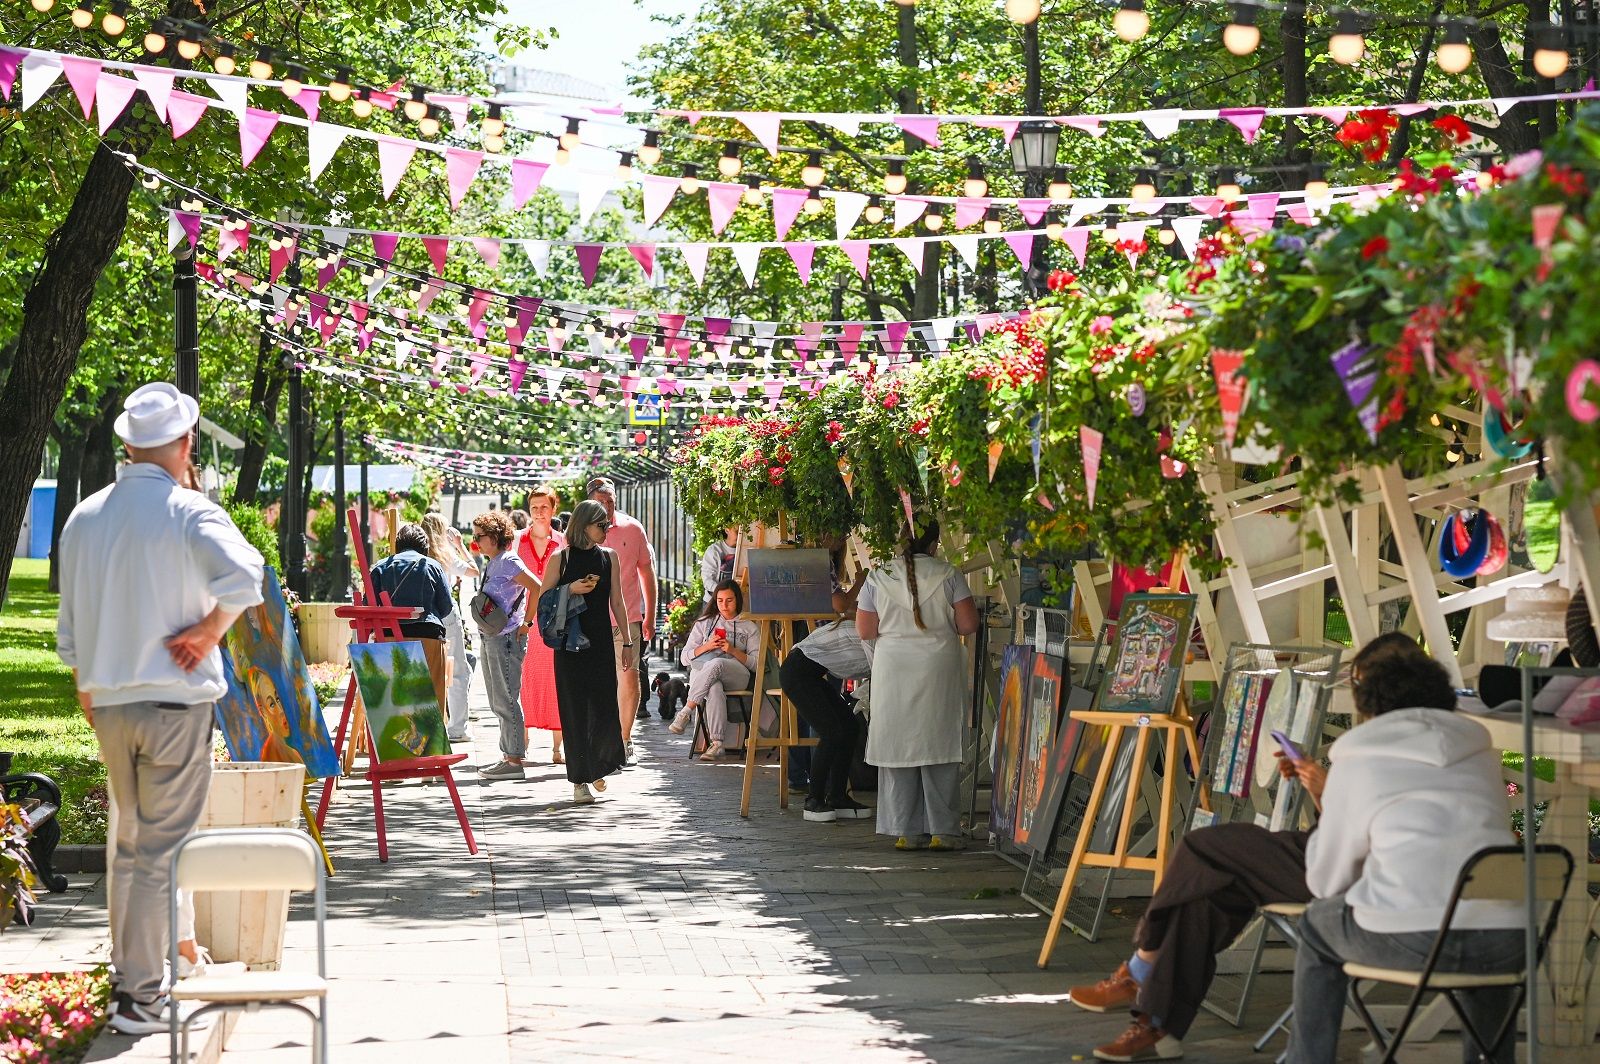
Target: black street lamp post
(1033, 157)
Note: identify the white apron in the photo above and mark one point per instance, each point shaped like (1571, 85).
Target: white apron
(919, 677)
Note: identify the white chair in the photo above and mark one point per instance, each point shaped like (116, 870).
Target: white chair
(250, 859)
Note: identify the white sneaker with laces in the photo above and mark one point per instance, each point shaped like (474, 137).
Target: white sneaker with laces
(681, 721)
(713, 752)
(188, 969)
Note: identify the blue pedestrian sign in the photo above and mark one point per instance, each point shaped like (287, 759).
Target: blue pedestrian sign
(646, 409)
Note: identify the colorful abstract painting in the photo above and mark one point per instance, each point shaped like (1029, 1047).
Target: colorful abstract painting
(1147, 662)
(405, 713)
(270, 711)
(1043, 708)
(1015, 661)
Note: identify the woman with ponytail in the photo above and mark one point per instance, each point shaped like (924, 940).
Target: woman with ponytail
(917, 608)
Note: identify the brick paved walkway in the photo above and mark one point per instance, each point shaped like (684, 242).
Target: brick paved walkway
(659, 925)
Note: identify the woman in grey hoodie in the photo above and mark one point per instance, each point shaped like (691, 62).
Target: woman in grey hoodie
(1411, 794)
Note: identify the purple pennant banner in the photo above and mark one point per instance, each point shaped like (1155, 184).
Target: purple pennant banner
(1360, 379)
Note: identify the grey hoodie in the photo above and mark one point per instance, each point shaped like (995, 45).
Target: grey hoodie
(1410, 796)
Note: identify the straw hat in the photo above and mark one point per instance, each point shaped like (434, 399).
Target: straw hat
(1533, 615)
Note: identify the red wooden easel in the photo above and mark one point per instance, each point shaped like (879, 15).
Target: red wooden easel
(374, 619)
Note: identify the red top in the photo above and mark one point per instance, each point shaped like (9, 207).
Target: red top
(534, 561)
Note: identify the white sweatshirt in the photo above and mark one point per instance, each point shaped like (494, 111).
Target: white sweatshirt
(1410, 796)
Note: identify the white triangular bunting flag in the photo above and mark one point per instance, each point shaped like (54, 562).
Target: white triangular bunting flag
(1188, 230)
(912, 247)
(592, 189)
(847, 208)
(39, 72)
(694, 256)
(748, 257)
(157, 85)
(848, 124)
(1081, 208)
(907, 209)
(538, 252)
(323, 140)
(1161, 124)
(967, 247)
(233, 94)
(111, 97)
(174, 230)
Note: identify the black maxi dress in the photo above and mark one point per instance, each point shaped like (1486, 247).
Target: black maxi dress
(586, 680)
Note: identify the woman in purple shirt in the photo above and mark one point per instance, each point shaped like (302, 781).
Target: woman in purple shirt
(507, 581)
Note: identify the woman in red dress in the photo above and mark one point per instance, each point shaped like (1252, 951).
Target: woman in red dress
(535, 544)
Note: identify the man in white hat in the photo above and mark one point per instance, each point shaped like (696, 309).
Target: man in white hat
(152, 576)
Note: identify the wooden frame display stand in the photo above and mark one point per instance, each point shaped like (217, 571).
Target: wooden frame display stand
(777, 633)
(1173, 725)
(377, 620)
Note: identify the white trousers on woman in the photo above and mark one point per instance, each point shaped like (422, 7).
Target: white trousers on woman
(708, 687)
(922, 800)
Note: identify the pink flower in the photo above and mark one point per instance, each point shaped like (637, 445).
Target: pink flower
(1102, 324)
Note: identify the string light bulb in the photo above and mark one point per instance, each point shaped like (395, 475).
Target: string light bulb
(339, 88)
(1550, 57)
(494, 143)
(1346, 46)
(115, 20)
(752, 191)
(155, 42)
(1316, 182)
(1166, 235)
(976, 185)
(42, 6)
(729, 165)
(1022, 12)
(189, 45)
(1053, 227)
(151, 181)
(812, 173)
(934, 219)
(894, 181)
(83, 14)
(1131, 21)
(1242, 36)
(294, 81)
(261, 65)
(991, 220)
(571, 137)
(690, 184)
(625, 166)
(417, 107)
(494, 123)
(1454, 53)
(428, 125)
(1060, 189)
(874, 211)
(650, 150)
(361, 106)
(224, 62)
(1456, 451)
(1228, 188)
(813, 203)
(1144, 187)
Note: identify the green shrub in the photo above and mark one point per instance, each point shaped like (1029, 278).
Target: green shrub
(252, 522)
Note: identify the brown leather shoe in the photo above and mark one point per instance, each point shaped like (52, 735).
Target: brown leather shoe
(1141, 1042)
(1116, 991)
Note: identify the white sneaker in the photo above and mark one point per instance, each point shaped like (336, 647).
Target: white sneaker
(581, 795)
(188, 969)
(713, 752)
(681, 721)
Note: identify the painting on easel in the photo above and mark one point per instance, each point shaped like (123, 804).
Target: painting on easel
(1038, 738)
(1148, 658)
(1015, 661)
(270, 710)
(789, 582)
(402, 699)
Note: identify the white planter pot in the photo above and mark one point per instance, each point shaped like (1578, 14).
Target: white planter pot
(248, 925)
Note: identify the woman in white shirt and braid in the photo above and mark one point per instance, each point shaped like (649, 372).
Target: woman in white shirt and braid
(720, 655)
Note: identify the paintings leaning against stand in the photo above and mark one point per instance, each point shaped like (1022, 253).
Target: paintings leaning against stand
(270, 711)
(1005, 764)
(1149, 654)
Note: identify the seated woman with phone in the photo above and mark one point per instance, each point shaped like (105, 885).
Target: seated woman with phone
(720, 655)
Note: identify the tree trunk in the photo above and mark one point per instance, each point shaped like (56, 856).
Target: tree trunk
(54, 323)
(69, 444)
(101, 446)
(1518, 130)
(1292, 30)
(266, 387)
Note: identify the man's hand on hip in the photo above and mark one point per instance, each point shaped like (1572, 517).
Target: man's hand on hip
(194, 644)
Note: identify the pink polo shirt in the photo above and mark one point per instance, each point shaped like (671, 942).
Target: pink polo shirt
(628, 538)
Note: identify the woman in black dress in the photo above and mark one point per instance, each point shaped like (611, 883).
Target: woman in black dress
(586, 680)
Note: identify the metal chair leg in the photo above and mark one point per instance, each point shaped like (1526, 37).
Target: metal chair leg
(1279, 1024)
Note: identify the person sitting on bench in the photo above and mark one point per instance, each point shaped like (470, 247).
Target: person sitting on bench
(1216, 881)
(720, 655)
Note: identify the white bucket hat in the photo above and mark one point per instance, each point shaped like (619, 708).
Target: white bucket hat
(156, 414)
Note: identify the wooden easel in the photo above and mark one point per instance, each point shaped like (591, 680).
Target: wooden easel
(1173, 725)
(777, 633)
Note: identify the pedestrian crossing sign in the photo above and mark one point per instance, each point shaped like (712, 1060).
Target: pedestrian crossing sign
(646, 409)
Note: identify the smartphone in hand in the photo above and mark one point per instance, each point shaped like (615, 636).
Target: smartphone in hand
(1290, 751)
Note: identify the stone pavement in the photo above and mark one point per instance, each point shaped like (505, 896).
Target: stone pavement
(659, 925)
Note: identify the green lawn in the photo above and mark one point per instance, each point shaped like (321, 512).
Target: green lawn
(39, 716)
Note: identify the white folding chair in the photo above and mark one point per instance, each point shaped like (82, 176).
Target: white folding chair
(250, 859)
(1495, 873)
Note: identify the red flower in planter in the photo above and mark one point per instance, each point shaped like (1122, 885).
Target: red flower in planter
(1374, 247)
(1454, 127)
(835, 432)
(1060, 280)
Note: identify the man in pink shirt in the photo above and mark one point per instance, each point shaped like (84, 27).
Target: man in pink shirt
(636, 571)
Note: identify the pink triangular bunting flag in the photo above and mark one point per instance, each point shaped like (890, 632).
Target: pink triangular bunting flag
(802, 252)
(253, 133)
(857, 251)
(393, 158)
(1247, 120)
(1033, 210)
(1021, 245)
(184, 111)
(764, 126)
(10, 60)
(1091, 440)
(460, 168)
(525, 177)
(694, 256)
(645, 256)
(488, 249)
(925, 129)
(383, 245)
(588, 261)
(786, 206)
(1077, 241)
(658, 192)
(1004, 125)
(83, 75)
(438, 252)
(724, 199)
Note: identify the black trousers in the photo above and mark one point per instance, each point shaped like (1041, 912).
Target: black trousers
(1218, 877)
(821, 704)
